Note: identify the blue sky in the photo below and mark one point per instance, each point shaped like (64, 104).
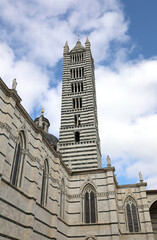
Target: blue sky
(142, 16)
(123, 40)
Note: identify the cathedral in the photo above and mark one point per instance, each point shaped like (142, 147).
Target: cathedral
(57, 189)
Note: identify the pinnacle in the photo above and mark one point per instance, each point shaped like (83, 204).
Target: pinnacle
(66, 44)
(87, 40)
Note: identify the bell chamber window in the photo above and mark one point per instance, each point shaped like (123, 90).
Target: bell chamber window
(18, 160)
(77, 87)
(90, 204)
(77, 73)
(76, 58)
(132, 215)
(44, 187)
(77, 103)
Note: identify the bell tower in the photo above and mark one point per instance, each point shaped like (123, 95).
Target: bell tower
(79, 141)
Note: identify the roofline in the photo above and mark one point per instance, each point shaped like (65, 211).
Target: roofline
(151, 191)
(12, 93)
(144, 184)
(91, 171)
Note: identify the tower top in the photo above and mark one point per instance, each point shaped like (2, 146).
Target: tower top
(78, 47)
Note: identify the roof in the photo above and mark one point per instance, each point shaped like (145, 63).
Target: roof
(43, 119)
(52, 139)
(78, 47)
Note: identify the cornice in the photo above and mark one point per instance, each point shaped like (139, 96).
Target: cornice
(143, 184)
(93, 171)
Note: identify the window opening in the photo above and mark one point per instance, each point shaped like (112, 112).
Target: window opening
(77, 137)
(89, 205)
(18, 161)
(132, 215)
(44, 187)
(77, 120)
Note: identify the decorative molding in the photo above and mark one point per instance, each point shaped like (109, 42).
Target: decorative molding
(88, 180)
(82, 195)
(139, 206)
(8, 128)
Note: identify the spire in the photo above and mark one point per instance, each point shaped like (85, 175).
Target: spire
(66, 47)
(87, 43)
(87, 40)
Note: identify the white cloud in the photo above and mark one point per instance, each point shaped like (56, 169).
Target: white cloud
(127, 104)
(33, 86)
(41, 28)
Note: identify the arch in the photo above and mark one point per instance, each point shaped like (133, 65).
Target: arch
(62, 199)
(89, 204)
(153, 216)
(131, 212)
(18, 160)
(44, 186)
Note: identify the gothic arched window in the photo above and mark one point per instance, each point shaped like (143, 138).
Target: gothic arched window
(44, 187)
(89, 204)
(132, 215)
(18, 160)
(62, 199)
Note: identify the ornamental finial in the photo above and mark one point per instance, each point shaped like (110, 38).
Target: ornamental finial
(78, 35)
(42, 111)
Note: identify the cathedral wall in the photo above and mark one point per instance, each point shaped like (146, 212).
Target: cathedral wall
(22, 213)
(61, 215)
(138, 193)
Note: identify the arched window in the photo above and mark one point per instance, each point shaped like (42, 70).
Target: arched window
(153, 216)
(89, 204)
(18, 160)
(44, 187)
(62, 199)
(132, 215)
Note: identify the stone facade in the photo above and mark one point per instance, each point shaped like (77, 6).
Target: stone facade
(43, 198)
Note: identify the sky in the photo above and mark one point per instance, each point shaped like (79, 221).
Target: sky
(123, 40)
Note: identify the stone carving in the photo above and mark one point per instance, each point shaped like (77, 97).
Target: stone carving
(108, 161)
(14, 84)
(140, 177)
